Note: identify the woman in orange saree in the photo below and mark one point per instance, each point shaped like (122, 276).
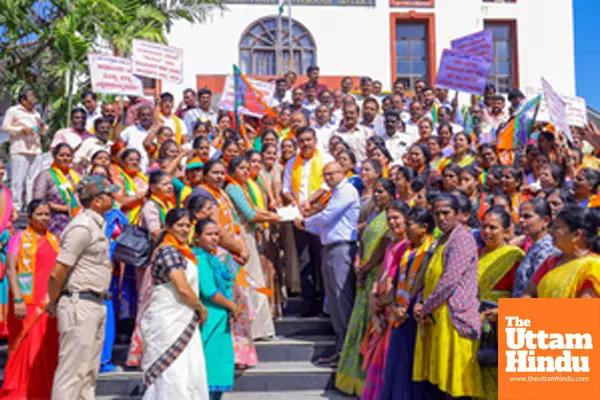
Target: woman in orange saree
(33, 335)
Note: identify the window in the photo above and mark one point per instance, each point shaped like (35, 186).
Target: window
(413, 47)
(258, 48)
(504, 72)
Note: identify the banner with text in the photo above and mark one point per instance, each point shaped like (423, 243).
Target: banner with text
(557, 109)
(463, 72)
(478, 44)
(113, 75)
(157, 61)
(576, 108)
(253, 107)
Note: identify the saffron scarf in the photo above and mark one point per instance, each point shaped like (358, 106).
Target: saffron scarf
(494, 266)
(177, 123)
(66, 187)
(567, 280)
(184, 249)
(133, 210)
(227, 220)
(26, 261)
(6, 207)
(163, 207)
(407, 271)
(315, 179)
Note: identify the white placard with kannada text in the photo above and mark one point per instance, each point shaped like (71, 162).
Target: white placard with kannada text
(157, 61)
(576, 108)
(557, 109)
(113, 75)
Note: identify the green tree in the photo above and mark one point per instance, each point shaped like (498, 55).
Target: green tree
(44, 43)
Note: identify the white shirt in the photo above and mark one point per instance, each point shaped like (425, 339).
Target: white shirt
(287, 176)
(134, 136)
(197, 114)
(287, 98)
(15, 119)
(398, 144)
(88, 148)
(170, 122)
(311, 106)
(89, 122)
(323, 135)
(356, 139)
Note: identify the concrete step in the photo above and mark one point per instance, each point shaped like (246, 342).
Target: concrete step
(287, 395)
(267, 376)
(299, 326)
(301, 348)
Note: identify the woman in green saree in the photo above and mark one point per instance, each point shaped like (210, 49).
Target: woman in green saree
(216, 291)
(350, 378)
(497, 265)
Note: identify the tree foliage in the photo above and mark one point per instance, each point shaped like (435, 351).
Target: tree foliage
(44, 43)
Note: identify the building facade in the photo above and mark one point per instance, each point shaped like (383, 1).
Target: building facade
(383, 39)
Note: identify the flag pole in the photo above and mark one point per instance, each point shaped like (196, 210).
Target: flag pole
(290, 36)
(278, 42)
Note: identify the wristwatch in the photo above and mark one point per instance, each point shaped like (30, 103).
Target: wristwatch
(18, 301)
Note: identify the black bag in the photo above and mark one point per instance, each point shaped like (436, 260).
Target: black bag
(488, 345)
(133, 246)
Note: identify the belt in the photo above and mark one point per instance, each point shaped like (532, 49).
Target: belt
(88, 295)
(335, 244)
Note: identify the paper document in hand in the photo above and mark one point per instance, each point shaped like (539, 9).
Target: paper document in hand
(289, 213)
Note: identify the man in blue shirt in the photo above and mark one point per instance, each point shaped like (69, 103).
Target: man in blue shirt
(336, 226)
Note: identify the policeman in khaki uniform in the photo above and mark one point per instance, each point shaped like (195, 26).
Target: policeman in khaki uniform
(77, 287)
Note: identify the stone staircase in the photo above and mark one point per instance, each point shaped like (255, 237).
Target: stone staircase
(285, 369)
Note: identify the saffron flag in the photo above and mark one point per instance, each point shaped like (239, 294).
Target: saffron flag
(244, 279)
(516, 133)
(248, 97)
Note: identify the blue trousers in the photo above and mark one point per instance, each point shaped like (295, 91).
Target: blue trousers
(110, 332)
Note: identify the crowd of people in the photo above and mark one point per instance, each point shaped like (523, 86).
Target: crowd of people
(412, 225)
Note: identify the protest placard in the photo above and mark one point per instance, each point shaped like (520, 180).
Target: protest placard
(113, 75)
(463, 72)
(478, 44)
(157, 61)
(576, 108)
(557, 109)
(253, 107)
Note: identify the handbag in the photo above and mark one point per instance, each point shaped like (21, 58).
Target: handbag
(133, 247)
(487, 355)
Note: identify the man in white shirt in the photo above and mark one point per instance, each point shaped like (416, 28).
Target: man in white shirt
(24, 126)
(204, 112)
(302, 180)
(396, 142)
(134, 135)
(171, 120)
(75, 134)
(83, 156)
(337, 225)
(311, 102)
(370, 116)
(93, 111)
(355, 135)
(323, 127)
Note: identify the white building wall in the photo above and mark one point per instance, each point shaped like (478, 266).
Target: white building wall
(356, 40)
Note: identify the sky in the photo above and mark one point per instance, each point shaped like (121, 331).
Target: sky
(587, 50)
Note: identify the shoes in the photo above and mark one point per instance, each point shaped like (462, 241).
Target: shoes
(109, 367)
